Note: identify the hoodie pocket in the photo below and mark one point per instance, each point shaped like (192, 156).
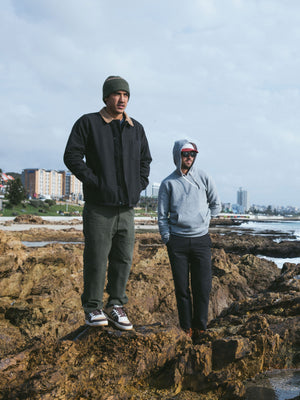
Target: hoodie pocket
(192, 219)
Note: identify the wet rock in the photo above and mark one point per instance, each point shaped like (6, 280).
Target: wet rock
(289, 279)
(249, 244)
(225, 222)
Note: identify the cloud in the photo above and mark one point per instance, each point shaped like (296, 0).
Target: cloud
(225, 73)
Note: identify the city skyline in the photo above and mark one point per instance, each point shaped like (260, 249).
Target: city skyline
(153, 187)
(224, 75)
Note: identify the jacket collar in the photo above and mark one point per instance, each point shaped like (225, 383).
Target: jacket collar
(108, 118)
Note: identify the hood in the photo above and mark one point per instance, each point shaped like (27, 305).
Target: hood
(178, 145)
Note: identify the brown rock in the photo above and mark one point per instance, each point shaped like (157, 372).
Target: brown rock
(47, 353)
(29, 219)
(251, 244)
(288, 280)
(228, 350)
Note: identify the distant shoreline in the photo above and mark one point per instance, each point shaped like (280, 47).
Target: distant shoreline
(141, 223)
(219, 219)
(256, 218)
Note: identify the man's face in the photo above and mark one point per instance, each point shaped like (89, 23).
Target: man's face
(187, 159)
(116, 103)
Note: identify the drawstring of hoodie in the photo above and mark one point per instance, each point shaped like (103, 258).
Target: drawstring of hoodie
(196, 184)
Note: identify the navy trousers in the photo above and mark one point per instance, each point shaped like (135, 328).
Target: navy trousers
(190, 259)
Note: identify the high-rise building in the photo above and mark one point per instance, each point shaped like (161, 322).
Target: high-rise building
(72, 186)
(155, 189)
(51, 183)
(242, 200)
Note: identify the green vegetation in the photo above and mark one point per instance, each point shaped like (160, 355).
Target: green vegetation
(42, 208)
(50, 208)
(148, 204)
(142, 212)
(15, 192)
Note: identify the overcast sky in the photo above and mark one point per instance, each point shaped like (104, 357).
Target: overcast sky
(224, 73)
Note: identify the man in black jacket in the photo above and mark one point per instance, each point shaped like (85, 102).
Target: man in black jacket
(108, 151)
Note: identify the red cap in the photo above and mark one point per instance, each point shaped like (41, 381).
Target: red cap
(189, 147)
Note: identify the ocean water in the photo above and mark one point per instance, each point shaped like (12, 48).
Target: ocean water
(275, 385)
(291, 228)
(286, 227)
(280, 261)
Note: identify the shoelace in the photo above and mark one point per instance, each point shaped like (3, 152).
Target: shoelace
(119, 311)
(96, 312)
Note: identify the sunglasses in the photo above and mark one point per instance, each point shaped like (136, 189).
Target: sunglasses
(188, 153)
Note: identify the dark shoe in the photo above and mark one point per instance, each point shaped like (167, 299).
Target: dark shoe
(197, 334)
(96, 318)
(117, 315)
(189, 332)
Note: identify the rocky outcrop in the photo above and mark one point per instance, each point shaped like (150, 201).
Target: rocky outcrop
(250, 244)
(46, 234)
(225, 222)
(47, 352)
(288, 280)
(29, 219)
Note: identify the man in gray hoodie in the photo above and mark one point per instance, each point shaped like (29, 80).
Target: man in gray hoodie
(187, 199)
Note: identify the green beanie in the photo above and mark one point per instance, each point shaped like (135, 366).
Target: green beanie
(113, 84)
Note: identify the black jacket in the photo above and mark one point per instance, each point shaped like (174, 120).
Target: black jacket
(95, 137)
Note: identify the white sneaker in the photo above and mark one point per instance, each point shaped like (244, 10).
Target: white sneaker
(96, 318)
(117, 315)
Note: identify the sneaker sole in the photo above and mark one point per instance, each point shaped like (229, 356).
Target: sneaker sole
(96, 323)
(119, 326)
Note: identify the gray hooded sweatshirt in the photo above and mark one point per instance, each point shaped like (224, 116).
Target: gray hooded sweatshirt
(186, 202)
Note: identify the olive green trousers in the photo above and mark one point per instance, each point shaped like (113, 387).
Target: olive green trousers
(109, 243)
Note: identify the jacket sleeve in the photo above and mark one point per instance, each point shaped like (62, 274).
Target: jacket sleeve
(213, 199)
(75, 152)
(145, 162)
(163, 212)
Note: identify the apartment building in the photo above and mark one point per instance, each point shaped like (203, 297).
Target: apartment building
(51, 184)
(72, 187)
